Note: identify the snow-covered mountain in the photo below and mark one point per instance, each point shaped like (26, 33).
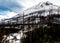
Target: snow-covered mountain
(43, 8)
(40, 7)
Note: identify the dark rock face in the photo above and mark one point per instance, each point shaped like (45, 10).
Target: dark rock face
(49, 33)
(32, 37)
(42, 35)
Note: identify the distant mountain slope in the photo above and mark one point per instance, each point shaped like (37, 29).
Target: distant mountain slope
(41, 6)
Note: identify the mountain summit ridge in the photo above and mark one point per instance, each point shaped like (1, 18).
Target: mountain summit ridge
(44, 4)
(41, 6)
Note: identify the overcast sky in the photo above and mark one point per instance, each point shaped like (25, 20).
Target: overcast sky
(8, 8)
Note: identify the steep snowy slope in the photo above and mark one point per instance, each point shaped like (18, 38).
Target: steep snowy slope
(47, 6)
(41, 6)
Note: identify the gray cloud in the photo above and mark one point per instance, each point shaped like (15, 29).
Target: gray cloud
(10, 5)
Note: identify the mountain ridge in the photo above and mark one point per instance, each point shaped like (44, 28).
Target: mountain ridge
(40, 6)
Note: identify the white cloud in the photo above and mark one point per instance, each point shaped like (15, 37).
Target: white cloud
(28, 3)
(8, 15)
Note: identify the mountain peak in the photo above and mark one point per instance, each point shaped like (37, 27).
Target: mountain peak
(48, 3)
(42, 4)
(45, 3)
